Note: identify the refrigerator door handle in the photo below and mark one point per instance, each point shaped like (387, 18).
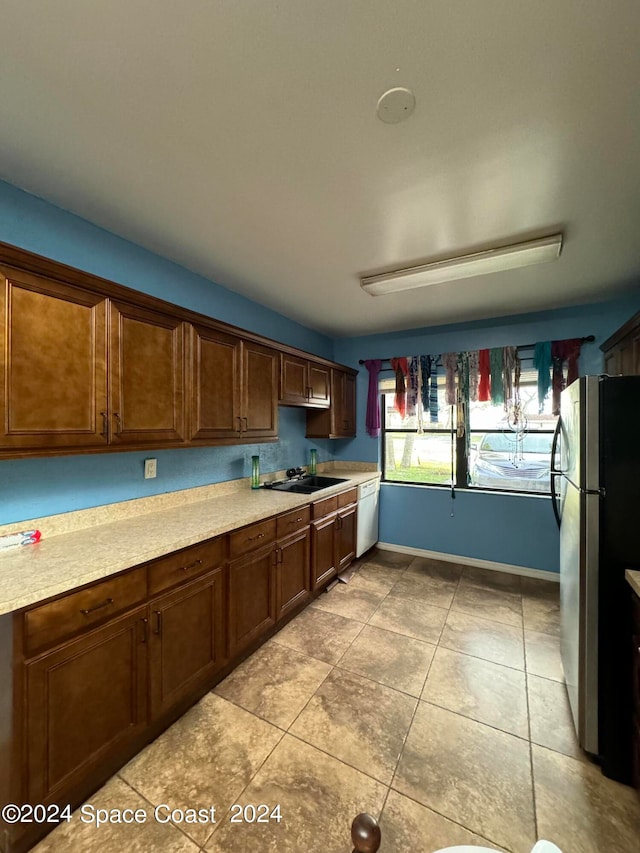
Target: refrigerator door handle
(555, 473)
(554, 499)
(554, 448)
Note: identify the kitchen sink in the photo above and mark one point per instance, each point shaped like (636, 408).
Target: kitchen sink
(305, 485)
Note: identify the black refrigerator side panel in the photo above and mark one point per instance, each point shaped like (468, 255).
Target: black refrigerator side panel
(620, 468)
(619, 549)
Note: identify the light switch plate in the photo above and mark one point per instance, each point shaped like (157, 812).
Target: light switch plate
(150, 468)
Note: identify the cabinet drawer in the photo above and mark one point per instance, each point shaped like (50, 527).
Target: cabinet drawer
(289, 522)
(50, 623)
(324, 507)
(187, 564)
(346, 498)
(249, 538)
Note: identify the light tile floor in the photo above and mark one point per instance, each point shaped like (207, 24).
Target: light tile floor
(425, 693)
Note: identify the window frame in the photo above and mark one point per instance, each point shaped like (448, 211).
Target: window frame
(461, 468)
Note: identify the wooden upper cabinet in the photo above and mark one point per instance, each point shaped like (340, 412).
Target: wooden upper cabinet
(87, 365)
(319, 384)
(234, 387)
(146, 376)
(303, 382)
(622, 350)
(215, 384)
(348, 399)
(52, 364)
(294, 380)
(339, 421)
(259, 391)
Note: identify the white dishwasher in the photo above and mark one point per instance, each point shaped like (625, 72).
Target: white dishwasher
(368, 496)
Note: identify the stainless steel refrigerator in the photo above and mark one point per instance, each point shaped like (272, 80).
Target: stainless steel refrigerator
(596, 498)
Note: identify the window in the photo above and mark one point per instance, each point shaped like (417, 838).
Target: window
(497, 454)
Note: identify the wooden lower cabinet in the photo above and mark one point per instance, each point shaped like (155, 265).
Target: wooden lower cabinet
(252, 597)
(346, 536)
(89, 694)
(187, 642)
(85, 700)
(333, 544)
(323, 551)
(292, 571)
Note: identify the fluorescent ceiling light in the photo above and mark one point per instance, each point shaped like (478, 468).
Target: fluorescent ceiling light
(465, 266)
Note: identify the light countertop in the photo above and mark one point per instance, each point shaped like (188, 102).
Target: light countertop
(633, 579)
(64, 562)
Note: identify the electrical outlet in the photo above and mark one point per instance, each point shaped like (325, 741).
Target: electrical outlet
(150, 468)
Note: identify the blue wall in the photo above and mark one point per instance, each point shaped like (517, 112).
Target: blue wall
(511, 529)
(514, 529)
(30, 488)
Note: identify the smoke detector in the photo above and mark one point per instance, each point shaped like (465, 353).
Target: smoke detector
(396, 105)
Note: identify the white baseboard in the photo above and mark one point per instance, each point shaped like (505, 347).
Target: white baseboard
(472, 561)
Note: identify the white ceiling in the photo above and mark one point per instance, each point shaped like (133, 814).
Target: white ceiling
(240, 138)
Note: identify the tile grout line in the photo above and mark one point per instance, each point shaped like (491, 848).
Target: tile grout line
(155, 805)
(415, 710)
(448, 818)
(336, 665)
(531, 774)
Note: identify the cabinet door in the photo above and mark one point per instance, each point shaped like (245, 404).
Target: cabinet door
(187, 640)
(259, 391)
(52, 364)
(323, 551)
(319, 385)
(293, 579)
(612, 365)
(252, 599)
(146, 376)
(215, 384)
(346, 536)
(85, 701)
(294, 384)
(635, 746)
(344, 403)
(349, 404)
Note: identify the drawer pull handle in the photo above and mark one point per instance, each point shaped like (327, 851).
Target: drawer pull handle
(193, 565)
(259, 536)
(296, 520)
(118, 421)
(105, 424)
(88, 610)
(158, 628)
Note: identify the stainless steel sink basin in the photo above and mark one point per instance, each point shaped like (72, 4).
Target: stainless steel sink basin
(305, 485)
